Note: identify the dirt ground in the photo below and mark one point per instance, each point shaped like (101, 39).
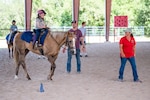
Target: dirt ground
(97, 80)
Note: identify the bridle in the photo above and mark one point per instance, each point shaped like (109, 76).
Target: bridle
(66, 41)
(73, 48)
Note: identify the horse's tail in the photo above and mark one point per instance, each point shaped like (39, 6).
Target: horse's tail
(16, 54)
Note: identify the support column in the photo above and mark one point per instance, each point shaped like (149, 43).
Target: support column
(107, 18)
(75, 10)
(28, 11)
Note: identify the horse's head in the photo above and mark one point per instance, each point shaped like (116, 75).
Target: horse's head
(70, 42)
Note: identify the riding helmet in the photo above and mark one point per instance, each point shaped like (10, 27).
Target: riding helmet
(41, 11)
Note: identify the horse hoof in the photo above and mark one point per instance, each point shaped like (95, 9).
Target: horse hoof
(29, 78)
(49, 78)
(16, 77)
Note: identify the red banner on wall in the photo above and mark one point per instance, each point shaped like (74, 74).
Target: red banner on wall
(121, 21)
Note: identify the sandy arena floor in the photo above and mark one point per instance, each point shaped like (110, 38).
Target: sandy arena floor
(97, 81)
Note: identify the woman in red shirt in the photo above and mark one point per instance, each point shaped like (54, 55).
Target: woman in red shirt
(127, 52)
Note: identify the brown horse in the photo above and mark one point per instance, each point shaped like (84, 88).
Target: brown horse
(10, 49)
(10, 44)
(51, 47)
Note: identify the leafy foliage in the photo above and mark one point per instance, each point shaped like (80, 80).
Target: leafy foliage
(59, 12)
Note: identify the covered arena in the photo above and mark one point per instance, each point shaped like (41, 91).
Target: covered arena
(97, 80)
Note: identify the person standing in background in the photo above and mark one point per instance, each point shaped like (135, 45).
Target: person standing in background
(83, 42)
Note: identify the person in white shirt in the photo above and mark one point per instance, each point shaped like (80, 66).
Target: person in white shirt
(83, 42)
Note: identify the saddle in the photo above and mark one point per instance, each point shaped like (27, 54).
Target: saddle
(30, 36)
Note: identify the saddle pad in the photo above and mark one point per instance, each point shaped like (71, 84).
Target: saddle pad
(12, 37)
(7, 36)
(28, 37)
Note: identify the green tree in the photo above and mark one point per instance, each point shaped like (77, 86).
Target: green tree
(92, 12)
(59, 12)
(143, 16)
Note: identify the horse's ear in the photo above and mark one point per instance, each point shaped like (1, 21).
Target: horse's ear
(72, 33)
(66, 33)
(69, 33)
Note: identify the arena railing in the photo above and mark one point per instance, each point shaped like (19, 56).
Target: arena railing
(93, 33)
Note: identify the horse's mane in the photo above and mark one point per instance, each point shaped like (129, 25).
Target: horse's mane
(55, 34)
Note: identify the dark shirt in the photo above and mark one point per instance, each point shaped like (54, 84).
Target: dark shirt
(78, 35)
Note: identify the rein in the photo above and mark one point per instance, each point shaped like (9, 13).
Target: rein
(59, 45)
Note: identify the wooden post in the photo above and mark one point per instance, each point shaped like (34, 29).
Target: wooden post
(28, 11)
(107, 22)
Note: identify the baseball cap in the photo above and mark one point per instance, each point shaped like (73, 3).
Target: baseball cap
(128, 30)
(74, 21)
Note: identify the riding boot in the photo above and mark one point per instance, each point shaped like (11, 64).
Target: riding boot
(38, 43)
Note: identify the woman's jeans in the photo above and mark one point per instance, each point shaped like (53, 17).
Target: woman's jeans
(38, 32)
(77, 59)
(133, 65)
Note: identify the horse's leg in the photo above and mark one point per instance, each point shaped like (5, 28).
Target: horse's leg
(23, 53)
(16, 58)
(26, 51)
(25, 69)
(17, 70)
(17, 61)
(9, 50)
(52, 59)
(19, 57)
(12, 51)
